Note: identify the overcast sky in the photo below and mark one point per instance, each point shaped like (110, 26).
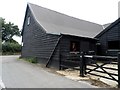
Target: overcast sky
(97, 11)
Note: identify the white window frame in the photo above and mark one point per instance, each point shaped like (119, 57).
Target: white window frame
(28, 20)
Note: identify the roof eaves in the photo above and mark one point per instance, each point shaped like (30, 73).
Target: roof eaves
(24, 21)
(36, 18)
(79, 36)
(108, 28)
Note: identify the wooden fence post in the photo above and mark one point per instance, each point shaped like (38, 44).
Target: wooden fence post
(119, 70)
(82, 64)
(60, 62)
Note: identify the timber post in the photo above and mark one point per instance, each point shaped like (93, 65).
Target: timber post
(82, 64)
(119, 70)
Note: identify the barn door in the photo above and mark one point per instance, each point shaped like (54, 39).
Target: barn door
(84, 47)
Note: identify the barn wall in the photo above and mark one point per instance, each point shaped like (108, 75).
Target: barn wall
(55, 58)
(119, 33)
(51, 42)
(112, 34)
(36, 42)
(85, 44)
(103, 42)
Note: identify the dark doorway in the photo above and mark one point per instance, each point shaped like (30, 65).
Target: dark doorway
(74, 46)
(113, 45)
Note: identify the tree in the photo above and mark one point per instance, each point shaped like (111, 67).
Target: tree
(8, 30)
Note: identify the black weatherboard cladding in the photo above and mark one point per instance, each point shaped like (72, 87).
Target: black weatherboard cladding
(86, 44)
(36, 43)
(111, 33)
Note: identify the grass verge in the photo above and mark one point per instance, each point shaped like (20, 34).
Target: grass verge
(30, 59)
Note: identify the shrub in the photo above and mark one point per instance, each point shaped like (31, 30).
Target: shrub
(31, 59)
(11, 48)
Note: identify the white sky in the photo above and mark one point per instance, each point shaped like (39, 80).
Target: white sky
(97, 11)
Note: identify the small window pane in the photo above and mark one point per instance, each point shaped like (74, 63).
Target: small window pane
(28, 20)
(74, 46)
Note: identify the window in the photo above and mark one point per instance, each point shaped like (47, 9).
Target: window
(113, 45)
(74, 46)
(22, 44)
(28, 22)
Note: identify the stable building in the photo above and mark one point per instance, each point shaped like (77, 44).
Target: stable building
(109, 39)
(47, 34)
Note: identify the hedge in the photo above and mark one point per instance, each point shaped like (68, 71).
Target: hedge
(8, 47)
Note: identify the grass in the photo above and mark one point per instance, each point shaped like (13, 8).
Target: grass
(30, 59)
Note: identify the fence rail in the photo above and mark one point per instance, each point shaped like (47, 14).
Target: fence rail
(70, 61)
(99, 64)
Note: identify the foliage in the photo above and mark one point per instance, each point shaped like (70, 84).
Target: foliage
(0, 36)
(10, 48)
(0, 46)
(7, 44)
(8, 30)
(31, 59)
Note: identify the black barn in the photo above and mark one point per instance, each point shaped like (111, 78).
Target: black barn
(109, 39)
(46, 34)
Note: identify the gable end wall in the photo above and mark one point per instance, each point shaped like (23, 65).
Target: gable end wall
(37, 43)
(112, 34)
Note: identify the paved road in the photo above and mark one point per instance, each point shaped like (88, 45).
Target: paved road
(21, 74)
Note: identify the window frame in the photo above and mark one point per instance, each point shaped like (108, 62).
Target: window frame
(28, 20)
(77, 44)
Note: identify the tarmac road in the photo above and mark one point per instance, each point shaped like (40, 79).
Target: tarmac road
(20, 74)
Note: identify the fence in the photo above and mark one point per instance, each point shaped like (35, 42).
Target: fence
(83, 62)
(98, 65)
(70, 61)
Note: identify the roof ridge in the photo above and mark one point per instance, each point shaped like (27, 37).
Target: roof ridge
(108, 28)
(54, 22)
(64, 14)
(35, 17)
